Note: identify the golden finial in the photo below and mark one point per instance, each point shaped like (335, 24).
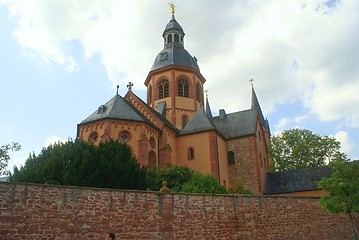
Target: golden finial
(172, 7)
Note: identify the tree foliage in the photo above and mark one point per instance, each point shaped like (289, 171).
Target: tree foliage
(79, 163)
(296, 148)
(239, 188)
(343, 187)
(175, 177)
(4, 155)
(200, 183)
(184, 179)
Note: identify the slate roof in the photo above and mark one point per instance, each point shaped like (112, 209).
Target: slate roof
(305, 179)
(255, 104)
(173, 25)
(176, 55)
(237, 124)
(198, 123)
(117, 108)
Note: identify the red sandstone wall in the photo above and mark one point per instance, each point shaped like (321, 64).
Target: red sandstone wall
(55, 212)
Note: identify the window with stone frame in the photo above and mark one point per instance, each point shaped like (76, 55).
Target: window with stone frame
(231, 159)
(163, 86)
(182, 87)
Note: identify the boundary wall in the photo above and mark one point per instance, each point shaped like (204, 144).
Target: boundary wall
(32, 211)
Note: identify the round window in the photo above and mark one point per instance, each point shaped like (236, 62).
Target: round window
(124, 136)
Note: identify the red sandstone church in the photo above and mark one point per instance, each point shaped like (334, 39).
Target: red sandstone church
(175, 126)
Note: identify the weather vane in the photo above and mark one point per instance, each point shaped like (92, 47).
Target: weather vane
(206, 93)
(172, 7)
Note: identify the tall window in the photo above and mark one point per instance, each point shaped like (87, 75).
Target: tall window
(169, 38)
(163, 88)
(230, 156)
(151, 160)
(198, 92)
(183, 87)
(176, 38)
(150, 94)
(190, 153)
(184, 120)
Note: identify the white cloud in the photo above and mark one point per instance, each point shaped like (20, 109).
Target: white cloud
(289, 123)
(347, 146)
(296, 51)
(54, 139)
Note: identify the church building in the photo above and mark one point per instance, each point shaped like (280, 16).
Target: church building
(174, 126)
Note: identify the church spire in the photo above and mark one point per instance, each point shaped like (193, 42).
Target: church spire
(208, 108)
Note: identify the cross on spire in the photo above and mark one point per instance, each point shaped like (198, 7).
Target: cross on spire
(129, 86)
(251, 81)
(206, 91)
(118, 86)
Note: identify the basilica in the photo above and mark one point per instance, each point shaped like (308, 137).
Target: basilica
(174, 126)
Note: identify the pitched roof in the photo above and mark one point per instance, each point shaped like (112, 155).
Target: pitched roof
(208, 108)
(161, 117)
(198, 123)
(117, 108)
(256, 105)
(304, 179)
(236, 124)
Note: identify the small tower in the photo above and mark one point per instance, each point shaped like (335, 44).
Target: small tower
(175, 79)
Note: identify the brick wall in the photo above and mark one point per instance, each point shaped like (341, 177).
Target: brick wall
(29, 211)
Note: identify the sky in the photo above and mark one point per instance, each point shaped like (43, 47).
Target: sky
(61, 59)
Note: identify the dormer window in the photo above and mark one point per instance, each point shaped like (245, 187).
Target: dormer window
(101, 109)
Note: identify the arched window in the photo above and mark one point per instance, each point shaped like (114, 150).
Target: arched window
(93, 137)
(151, 159)
(190, 153)
(150, 94)
(184, 120)
(176, 38)
(163, 88)
(231, 160)
(198, 92)
(169, 38)
(183, 87)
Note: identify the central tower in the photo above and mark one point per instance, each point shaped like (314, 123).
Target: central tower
(175, 84)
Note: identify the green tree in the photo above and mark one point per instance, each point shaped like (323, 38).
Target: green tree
(343, 187)
(175, 177)
(296, 148)
(200, 183)
(4, 155)
(78, 163)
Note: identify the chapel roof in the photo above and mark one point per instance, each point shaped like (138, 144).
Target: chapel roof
(304, 179)
(236, 124)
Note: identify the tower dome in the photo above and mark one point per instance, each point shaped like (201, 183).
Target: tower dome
(174, 52)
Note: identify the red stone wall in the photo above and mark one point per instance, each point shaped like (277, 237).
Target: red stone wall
(56, 212)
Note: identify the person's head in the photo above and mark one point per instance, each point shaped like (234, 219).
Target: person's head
(110, 235)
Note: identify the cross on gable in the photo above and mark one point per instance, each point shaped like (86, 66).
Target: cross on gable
(129, 86)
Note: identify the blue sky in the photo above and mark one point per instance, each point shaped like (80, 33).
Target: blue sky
(60, 60)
